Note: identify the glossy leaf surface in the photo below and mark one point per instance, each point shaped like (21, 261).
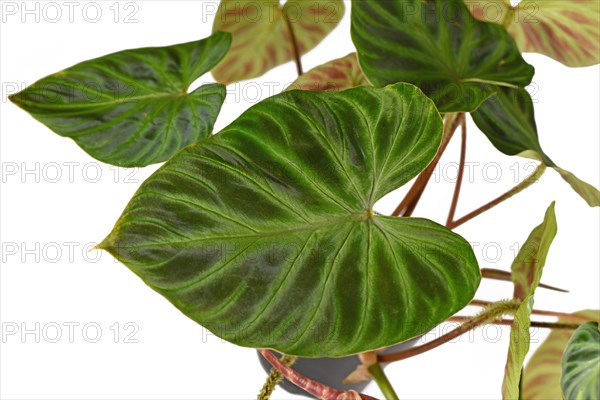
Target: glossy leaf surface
(439, 46)
(265, 233)
(508, 121)
(342, 73)
(541, 378)
(581, 364)
(526, 272)
(566, 31)
(132, 108)
(261, 35)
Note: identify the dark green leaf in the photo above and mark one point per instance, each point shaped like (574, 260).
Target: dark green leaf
(508, 121)
(266, 235)
(581, 364)
(438, 46)
(132, 108)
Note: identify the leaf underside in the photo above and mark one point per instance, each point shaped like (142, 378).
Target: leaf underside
(339, 74)
(566, 31)
(261, 37)
(541, 377)
(265, 233)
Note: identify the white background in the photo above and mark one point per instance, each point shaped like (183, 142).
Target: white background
(42, 283)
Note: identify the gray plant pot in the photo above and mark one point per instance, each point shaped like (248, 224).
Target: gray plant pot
(330, 371)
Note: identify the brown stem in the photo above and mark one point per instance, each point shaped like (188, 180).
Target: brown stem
(548, 313)
(490, 314)
(295, 48)
(315, 388)
(534, 324)
(408, 204)
(461, 171)
(517, 189)
(500, 275)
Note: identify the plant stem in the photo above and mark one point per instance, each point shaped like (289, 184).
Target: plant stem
(500, 275)
(565, 316)
(491, 313)
(274, 378)
(315, 388)
(408, 204)
(382, 381)
(461, 171)
(295, 48)
(534, 324)
(517, 189)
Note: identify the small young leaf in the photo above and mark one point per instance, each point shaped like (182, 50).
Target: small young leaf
(261, 36)
(541, 378)
(342, 73)
(508, 121)
(265, 233)
(437, 45)
(581, 364)
(132, 108)
(567, 31)
(526, 272)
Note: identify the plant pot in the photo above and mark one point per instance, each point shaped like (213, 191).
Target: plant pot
(331, 371)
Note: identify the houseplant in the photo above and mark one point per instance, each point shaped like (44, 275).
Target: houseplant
(317, 183)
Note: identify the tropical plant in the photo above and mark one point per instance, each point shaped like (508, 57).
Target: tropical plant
(265, 233)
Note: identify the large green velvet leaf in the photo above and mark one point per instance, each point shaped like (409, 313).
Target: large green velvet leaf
(541, 378)
(508, 121)
(266, 234)
(440, 47)
(581, 364)
(261, 33)
(132, 108)
(526, 273)
(567, 31)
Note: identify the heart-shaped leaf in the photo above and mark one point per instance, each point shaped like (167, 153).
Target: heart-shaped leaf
(541, 377)
(508, 121)
(261, 33)
(526, 272)
(266, 234)
(342, 73)
(132, 108)
(581, 364)
(567, 31)
(438, 46)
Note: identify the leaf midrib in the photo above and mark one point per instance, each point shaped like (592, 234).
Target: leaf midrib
(153, 96)
(357, 217)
